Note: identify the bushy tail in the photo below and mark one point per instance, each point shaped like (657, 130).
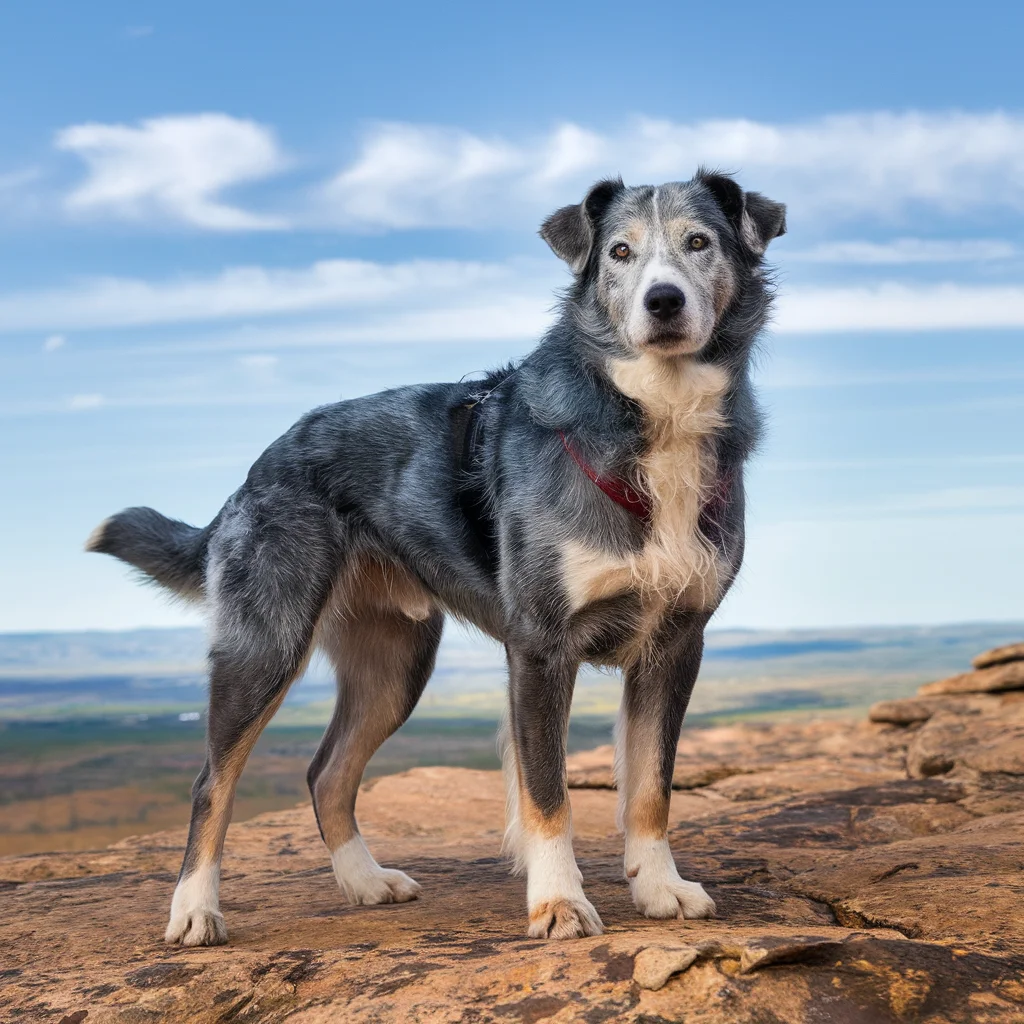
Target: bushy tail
(170, 552)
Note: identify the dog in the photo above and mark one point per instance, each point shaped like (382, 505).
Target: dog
(585, 505)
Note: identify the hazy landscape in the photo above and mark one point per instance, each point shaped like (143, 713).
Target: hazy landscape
(101, 733)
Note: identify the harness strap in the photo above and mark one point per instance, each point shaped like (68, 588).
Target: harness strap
(618, 490)
(639, 504)
(467, 428)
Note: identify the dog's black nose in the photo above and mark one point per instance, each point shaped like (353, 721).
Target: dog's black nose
(663, 301)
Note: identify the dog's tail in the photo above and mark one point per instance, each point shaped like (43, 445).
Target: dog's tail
(168, 551)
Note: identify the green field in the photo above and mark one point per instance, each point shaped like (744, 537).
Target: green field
(81, 783)
(101, 734)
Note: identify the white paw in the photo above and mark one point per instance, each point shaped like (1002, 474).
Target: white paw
(196, 919)
(386, 885)
(554, 890)
(564, 919)
(673, 897)
(364, 882)
(197, 928)
(657, 889)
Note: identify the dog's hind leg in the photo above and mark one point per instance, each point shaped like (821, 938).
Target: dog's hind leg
(539, 825)
(266, 594)
(383, 656)
(654, 701)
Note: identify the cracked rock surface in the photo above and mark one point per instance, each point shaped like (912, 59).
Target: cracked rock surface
(864, 872)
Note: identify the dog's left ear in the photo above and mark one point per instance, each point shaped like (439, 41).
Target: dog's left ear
(571, 230)
(756, 218)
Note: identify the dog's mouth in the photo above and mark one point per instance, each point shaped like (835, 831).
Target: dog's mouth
(672, 342)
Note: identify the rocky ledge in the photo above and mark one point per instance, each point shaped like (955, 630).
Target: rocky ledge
(864, 871)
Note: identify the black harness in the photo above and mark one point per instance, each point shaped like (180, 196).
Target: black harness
(468, 425)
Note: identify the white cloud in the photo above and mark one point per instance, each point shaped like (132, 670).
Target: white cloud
(414, 175)
(54, 342)
(173, 167)
(410, 176)
(841, 166)
(908, 250)
(81, 402)
(12, 180)
(404, 293)
(431, 299)
(899, 307)
(259, 363)
(406, 170)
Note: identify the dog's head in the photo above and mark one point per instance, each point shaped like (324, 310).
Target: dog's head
(662, 264)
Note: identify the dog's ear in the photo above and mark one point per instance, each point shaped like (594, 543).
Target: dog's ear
(571, 230)
(756, 218)
(763, 220)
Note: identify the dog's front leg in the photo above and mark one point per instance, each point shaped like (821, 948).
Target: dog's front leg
(654, 701)
(539, 825)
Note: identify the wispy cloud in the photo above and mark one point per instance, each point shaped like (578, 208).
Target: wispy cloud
(409, 176)
(12, 180)
(173, 168)
(844, 166)
(417, 176)
(899, 307)
(429, 299)
(409, 292)
(80, 403)
(53, 342)
(908, 251)
(260, 362)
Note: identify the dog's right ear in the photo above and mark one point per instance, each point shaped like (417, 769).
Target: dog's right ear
(571, 230)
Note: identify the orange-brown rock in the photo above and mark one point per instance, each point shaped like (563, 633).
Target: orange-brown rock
(902, 712)
(999, 655)
(851, 884)
(988, 739)
(1008, 676)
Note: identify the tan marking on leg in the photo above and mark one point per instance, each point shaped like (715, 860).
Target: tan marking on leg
(225, 776)
(542, 846)
(195, 913)
(367, 643)
(644, 803)
(536, 822)
(654, 880)
(367, 634)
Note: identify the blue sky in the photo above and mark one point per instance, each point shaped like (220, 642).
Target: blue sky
(213, 217)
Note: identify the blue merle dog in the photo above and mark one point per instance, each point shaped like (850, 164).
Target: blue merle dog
(586, 505)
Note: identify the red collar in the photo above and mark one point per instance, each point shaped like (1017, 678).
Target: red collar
(638, 503)
(619, 491)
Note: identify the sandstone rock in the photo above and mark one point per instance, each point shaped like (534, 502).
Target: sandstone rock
(991, 742)
(656, 964)
(590, 778)
(999, 656)
(684, 777)
(1009, 676)
(844, 887)
(789, 950)
(901, 712)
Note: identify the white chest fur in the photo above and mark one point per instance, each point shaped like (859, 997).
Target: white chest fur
(682, 400)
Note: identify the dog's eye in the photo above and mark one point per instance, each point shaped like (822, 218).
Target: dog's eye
(699, 242)
(621, 251)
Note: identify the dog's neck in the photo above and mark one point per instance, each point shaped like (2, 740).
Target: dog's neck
(609, 405)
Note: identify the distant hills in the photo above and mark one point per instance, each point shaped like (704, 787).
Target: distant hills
(70, 674)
